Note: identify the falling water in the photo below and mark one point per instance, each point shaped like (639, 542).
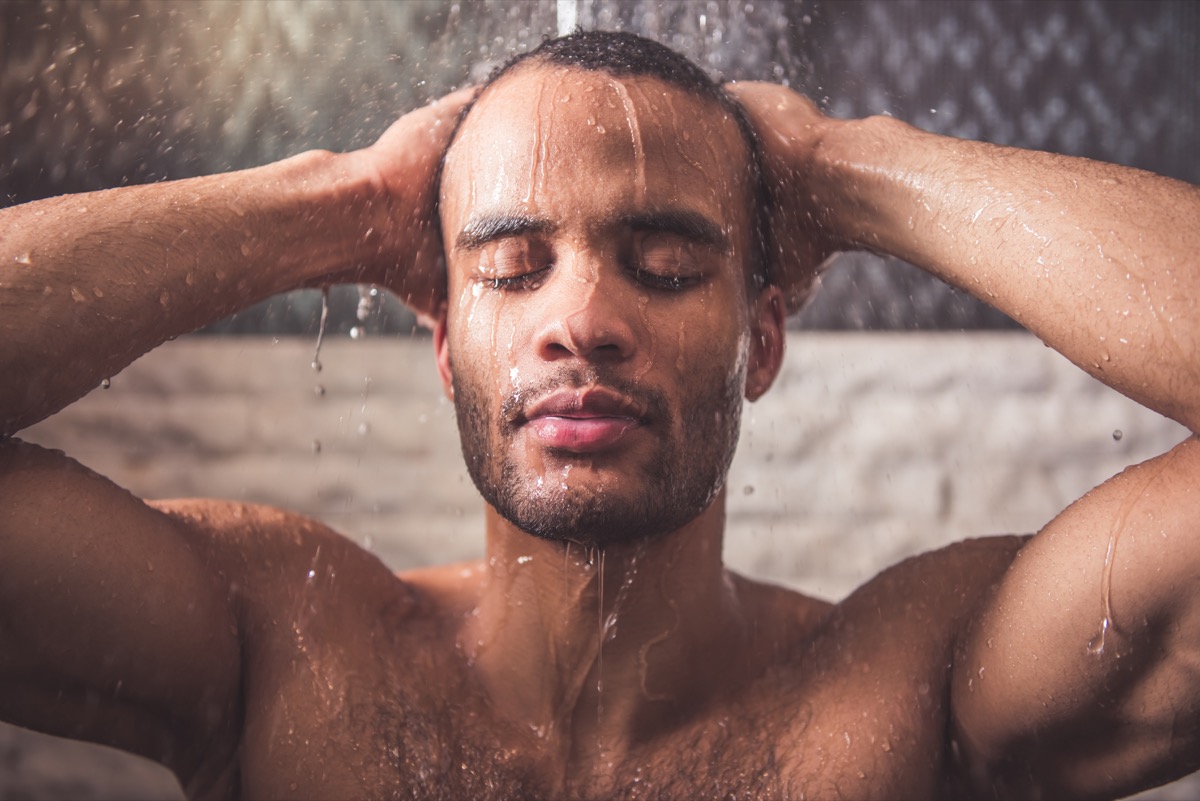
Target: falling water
(567, 18)
(316, 362)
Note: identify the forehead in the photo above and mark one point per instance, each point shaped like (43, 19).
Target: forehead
(568, 144)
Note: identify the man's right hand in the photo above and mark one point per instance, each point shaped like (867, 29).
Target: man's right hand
(406, 160)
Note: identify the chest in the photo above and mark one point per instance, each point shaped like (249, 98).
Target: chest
(352, 724)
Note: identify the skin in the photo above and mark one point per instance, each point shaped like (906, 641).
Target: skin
(264, 655)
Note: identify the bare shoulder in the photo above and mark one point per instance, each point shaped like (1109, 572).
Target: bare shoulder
(954, 577)
(940, 588)
(265, 552)
(916, 610)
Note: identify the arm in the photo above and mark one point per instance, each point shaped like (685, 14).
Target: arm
(1100, 262)
(120, 620)
(90, 282)
(1097, 260)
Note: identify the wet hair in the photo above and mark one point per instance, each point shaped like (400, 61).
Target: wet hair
(621, 55)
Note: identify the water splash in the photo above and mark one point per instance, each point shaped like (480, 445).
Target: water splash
(370, 301)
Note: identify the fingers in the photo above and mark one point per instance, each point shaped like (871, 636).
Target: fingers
(790, 127)
(771, 99)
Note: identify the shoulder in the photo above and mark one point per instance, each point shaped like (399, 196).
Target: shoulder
(962, 571)
(923, 603)
(263, 550)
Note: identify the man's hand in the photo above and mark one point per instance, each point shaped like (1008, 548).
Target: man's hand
(791, 130)
(406, 161)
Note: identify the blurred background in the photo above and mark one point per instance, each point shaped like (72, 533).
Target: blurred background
(872, 446)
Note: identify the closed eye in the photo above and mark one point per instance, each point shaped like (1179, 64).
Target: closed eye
(667, 261)
(524, 281)
(513, 263)
(671, 283)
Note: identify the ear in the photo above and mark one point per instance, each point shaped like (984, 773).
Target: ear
(767, 342)
(441, 351)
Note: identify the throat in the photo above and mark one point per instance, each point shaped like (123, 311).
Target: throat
(589, 654)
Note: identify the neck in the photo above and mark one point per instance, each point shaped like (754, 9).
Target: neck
(598, 649)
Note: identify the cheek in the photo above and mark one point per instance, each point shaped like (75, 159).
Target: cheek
(712, 332)
(485, 336)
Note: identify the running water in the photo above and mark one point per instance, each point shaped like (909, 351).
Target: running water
(635, 136)
(1097, 644)
(600, 651)
(567, 12)
(316, 362)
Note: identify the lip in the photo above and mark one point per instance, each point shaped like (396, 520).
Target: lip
(585, 420)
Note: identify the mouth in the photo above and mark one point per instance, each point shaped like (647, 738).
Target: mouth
(583, 420)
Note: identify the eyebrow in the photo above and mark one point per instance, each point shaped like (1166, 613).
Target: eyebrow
(482, 230)
(690, 225)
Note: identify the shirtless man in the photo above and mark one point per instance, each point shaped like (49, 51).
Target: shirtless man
(604, 315)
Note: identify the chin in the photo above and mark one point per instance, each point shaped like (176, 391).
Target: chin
(598, 517)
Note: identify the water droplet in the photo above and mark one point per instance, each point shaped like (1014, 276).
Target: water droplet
(524, 560)
(106, 383)
(24, 258)
(319, 389)
(1117, 434)
(76, 295)
(748, 489)
(1096, 646)
(364, 428)
(356, 332)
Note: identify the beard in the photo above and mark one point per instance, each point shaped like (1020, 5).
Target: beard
(672, 487)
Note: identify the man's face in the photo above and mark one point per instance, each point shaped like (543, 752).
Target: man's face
(598, 335)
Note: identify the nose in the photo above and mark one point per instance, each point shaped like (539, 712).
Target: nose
(590, 312)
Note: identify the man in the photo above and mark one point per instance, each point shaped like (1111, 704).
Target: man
(610, 295)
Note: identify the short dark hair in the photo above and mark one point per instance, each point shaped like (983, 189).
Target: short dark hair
(622, 54)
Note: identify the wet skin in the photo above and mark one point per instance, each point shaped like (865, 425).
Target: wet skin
(617, 297)
(599, 336)
(599, 339)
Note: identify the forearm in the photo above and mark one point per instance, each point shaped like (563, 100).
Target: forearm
(90, 282)
(1097, 260)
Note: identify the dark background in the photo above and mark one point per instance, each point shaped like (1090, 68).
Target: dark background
(101, 94)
